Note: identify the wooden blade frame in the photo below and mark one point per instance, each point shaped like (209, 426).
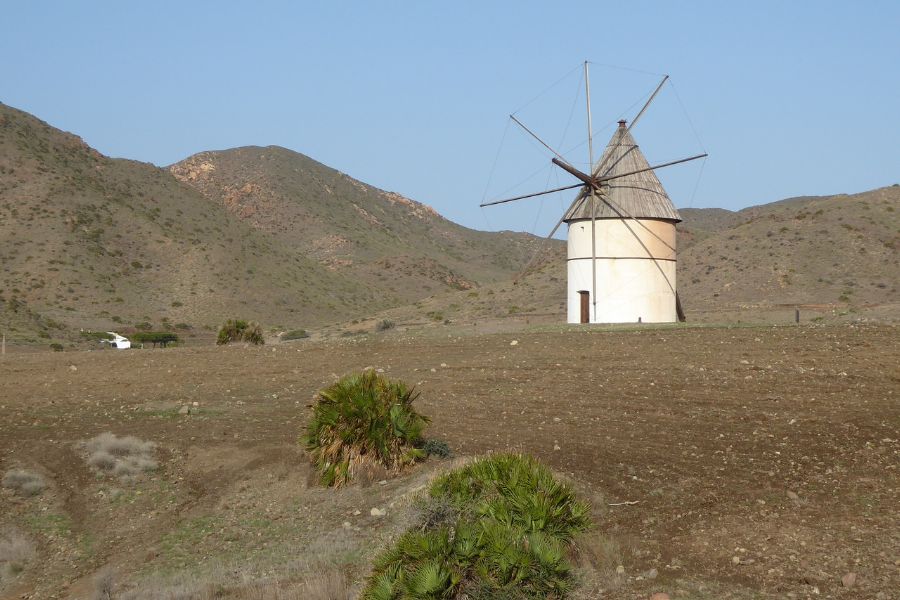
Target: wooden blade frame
(590, 185)
(647, 104)
(590, 182)
(553, 191)
(540, 141)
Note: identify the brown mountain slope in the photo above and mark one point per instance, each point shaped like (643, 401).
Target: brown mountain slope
(700, 223)
(839, 251)
(832, 249)
(399, 248)
(89, 241)
(92, 242)
(262, 233)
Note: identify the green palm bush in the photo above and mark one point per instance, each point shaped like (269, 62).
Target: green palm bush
(511, 524)
(253, 334)
(516, 490)
(236, 330)
(364, 420)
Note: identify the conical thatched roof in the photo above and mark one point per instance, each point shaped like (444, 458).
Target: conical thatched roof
(640, 196)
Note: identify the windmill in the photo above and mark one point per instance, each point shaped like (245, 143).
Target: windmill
(621, 230)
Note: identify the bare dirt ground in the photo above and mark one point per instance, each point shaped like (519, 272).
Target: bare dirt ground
(755, 462)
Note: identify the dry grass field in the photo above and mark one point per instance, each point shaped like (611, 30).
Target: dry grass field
(748, 462)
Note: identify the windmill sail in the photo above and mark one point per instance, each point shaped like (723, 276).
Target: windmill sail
(621, 258)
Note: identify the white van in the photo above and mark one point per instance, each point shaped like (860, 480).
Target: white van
(118, 342)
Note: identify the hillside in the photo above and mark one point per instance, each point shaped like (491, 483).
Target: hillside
(402, 249)
(831, 254)
(701, 223)
(814, 250)
(91, 242)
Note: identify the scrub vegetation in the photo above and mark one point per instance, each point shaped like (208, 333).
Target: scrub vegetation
(163, 338)
(16, 551)
(237, 330)
(497, 528)
(364, 421)
(122, 457)
(295, 334)
(24, 482)
(690, 448)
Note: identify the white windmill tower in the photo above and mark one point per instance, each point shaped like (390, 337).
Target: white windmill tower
(621, 232)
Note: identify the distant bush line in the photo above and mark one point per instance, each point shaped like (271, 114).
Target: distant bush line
(163, 338)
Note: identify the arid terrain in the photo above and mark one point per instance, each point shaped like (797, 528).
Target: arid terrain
(722, 462)
(89, 242)
(736, 456)
(92, 242)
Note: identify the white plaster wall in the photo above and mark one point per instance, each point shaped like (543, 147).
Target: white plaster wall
(623, 237)
(630, 285)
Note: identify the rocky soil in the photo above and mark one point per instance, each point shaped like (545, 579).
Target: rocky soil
(748, 462)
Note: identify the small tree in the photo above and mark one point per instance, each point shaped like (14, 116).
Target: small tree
(236, 330)
(163, 338)
(364, 421)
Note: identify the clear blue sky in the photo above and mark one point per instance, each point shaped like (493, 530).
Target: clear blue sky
(789, 98)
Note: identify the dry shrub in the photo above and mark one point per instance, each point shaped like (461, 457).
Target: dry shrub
(597, 557)
(23, 482)
(599, 553)
(330, 584)
(16, 551)
(104, 584)
(121, 457)
(384, 325)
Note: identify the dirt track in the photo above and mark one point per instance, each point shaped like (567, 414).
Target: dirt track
(762, 461)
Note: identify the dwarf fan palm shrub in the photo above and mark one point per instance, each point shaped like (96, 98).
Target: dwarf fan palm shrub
(362, 421)
(253, 334)
(236, 330)
(508, 523)
(516, 490)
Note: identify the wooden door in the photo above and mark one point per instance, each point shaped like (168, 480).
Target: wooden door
(585, 306)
